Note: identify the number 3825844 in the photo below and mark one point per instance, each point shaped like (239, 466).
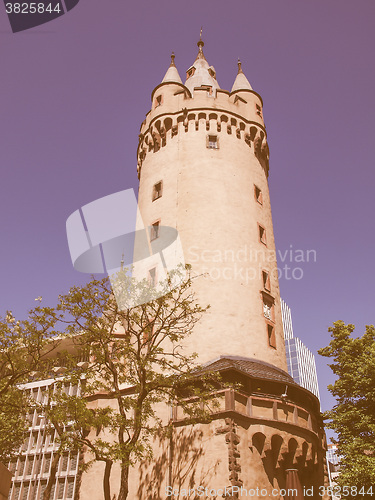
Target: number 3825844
(31, 8)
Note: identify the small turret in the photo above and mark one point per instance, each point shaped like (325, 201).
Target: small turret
(201, 74)
(172, 74)
(241, 82)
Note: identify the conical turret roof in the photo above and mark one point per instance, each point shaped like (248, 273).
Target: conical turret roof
(201, 73)
(172, 74)
(241, 82)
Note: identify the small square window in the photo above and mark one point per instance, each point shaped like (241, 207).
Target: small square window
(258, 195)
(271, 336)
(190, 72)
(212, 142)
(268, 311)
(208, 88)
(262, 234)
(155, 230)
(266, 280)
(157, 190)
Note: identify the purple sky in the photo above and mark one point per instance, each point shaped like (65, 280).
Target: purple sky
(75, 91)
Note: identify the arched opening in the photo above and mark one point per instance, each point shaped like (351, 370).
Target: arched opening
(253, 133)
(276, 445)
(168, 124)
(258, 441)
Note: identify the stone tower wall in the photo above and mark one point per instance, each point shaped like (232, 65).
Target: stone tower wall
(208, 194)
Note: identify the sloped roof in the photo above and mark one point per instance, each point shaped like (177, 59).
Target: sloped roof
(252, 367)
(203, 74)
(241, 82)
(172, 74)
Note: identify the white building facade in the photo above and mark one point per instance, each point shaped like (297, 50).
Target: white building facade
(300, 360)
(32, 468)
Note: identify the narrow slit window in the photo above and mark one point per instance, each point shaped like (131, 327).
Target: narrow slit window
(266, 280)
(271, 336)
(258, 110)
(157, 190)
(152, 276)
(212, 142)
(158, 101)
(258, 195)
(155, 230)
(262, 234)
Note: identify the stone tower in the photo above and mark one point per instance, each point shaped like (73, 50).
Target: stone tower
(203, 169)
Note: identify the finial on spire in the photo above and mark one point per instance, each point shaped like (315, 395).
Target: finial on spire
(200, 43)
(239, 66)
(172, 59)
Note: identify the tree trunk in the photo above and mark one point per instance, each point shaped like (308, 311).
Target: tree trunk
(124, 483)
(52, 477)
(106, 485)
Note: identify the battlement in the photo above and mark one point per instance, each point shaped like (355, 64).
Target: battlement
(175, 111)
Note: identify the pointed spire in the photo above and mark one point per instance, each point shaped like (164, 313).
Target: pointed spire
(200, 46)
(172, 74)
(241, 82)
(201, 73)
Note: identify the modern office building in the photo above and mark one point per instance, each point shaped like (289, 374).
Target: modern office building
(300, 360)
(332, 455)
(32, 468)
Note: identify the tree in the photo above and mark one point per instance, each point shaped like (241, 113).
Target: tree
(25, 347)
(136, 360)
(353, 416)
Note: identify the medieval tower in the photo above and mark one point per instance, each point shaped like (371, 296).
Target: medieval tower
(203, 171)
(203, 166)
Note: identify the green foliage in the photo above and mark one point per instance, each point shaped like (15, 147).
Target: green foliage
(353, 416)
(24, 348)
(12, 423)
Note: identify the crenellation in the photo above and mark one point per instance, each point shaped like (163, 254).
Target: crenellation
(151, 140)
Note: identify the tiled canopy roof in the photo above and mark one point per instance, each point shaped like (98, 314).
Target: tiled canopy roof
(252, 367)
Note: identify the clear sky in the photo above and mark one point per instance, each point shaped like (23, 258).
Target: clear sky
(75, 91)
